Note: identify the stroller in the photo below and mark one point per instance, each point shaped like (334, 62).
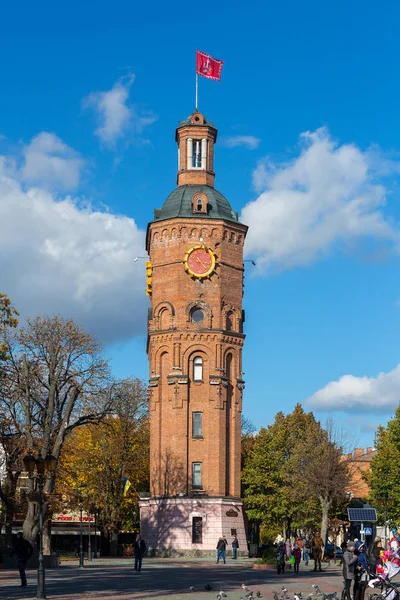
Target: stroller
(389, 590)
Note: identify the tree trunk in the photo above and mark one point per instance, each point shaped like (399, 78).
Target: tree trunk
(284, 529)
(325, 506)
(47, 537)
(30, 527)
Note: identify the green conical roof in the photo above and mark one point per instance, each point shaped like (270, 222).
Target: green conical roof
(179, 204)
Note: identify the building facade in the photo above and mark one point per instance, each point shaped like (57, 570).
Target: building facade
(359, 463)
(195, 341)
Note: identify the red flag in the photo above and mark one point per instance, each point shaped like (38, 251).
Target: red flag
(207, 66)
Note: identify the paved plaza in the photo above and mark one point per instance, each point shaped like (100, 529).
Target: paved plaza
(165, 579)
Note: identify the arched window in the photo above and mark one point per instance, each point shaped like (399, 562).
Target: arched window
(164, 319)
(199, 206)
(229, 321)
(198, 369)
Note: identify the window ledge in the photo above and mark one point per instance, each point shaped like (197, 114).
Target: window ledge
(198, 437)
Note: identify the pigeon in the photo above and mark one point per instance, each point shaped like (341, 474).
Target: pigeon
(191, 588)
(316, 588)
(208, 587)
(258, 594)
(221, 595)
(244, 586)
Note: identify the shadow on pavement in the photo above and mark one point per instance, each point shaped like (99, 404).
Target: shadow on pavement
(162, 581)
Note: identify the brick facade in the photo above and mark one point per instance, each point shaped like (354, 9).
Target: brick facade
(359, 463)
(175, 341)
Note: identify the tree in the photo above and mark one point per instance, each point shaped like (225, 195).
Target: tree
(96, 458)
(10, 444)
(270, 476)
(322, 471)
(54, 381)
(248, 437)
(383, 477)
(8, 319)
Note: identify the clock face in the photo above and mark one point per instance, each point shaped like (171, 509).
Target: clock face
(200, 262)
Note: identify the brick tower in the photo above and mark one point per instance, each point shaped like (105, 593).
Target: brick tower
(195, 340)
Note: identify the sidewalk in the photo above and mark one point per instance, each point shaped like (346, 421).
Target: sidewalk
(164, 579)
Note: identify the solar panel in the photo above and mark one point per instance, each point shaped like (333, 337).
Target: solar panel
(363, 515)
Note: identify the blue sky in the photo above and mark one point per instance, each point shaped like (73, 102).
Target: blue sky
(308, 153)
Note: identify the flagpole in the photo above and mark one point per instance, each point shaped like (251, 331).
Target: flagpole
(197, 91)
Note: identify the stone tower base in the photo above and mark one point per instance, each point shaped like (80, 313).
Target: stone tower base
(169, 526)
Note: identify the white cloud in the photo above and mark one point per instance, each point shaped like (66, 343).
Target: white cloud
(50, 162)
(58, 256)
(372, 394)
(329, 194)
(249, 141)
(116, 117)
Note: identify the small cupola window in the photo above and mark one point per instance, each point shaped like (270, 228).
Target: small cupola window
(196, 156)
(196, 153)
(200, 203)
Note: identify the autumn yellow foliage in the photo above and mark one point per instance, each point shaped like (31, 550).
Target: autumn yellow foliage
(96, 458)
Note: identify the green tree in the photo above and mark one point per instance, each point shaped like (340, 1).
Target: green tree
(8, 320)
(11, 445)
(384, 475)
(271, 473)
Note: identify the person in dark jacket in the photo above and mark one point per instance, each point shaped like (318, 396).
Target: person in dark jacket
(297, 557)
(140, 549)
(349, 562)
(221, 549)
(280, 558)
(374, 555)
(235, 546)
(361, 571)
(22, 550)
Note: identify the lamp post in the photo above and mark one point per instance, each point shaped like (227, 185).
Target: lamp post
(385, 501)
(94, 511)
(81, 565)
(45, 467)
(89, 552)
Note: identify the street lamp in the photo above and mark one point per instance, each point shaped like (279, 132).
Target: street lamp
(45, 467)
(95, 511)
(89, 552)
(385, 501)
(81, 565)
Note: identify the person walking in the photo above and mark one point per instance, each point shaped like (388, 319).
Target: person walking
(297, 557)
(221, 549)
(22, 550)
(306, 549)
(349, 562)
(317, 546)
(361, 571)
(140, 549)
(288, 549)
(235, 546)
(374, 555)
(280, 558)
